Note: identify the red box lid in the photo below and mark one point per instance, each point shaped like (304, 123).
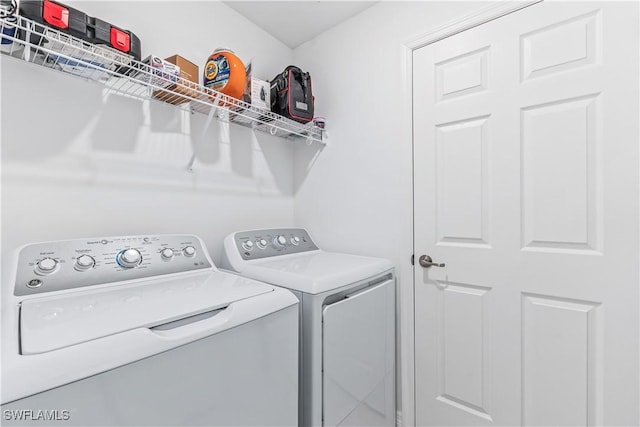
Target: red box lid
(55, 14)
(121, 40)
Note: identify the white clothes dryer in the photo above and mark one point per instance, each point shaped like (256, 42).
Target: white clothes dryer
(347, 318)
(144, 330)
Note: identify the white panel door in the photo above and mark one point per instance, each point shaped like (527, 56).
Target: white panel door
(526, 187)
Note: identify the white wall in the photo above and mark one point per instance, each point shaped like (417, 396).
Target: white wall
(357, 197)
(77, 162)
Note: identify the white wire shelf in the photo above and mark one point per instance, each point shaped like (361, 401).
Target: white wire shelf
(30, 41)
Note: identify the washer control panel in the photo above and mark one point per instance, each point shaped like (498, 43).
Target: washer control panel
(256, 244)
(67, 264)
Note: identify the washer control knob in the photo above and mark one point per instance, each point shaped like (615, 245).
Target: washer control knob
(295, 240)
(167, 254)
(189, 251)
(279, 241)
(129, 258)
(262, 243)
(248, 245)
(84, 263)
(46, 266)
(34, 283)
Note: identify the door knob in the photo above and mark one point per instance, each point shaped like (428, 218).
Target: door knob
(426, 262)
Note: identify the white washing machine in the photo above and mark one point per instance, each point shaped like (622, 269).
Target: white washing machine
(144, 331)
(347, 314)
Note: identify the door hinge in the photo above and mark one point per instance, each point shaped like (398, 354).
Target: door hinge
(413, 260)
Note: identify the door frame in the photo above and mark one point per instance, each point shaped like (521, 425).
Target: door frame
(481, 16)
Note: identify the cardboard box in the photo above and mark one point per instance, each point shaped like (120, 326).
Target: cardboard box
(188, 71)
(162, 72)
(256, 92)
(260, 93)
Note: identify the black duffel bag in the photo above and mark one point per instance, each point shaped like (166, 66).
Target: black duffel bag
(291, 95)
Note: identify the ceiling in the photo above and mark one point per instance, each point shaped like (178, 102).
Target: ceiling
(295, 22)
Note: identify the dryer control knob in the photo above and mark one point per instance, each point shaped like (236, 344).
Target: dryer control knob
(262, 243)
(46, 266)
(279, 241)
(129, 258)
(248, 245)
(295, 240)
(167, 254)
(84, 263)
(189, 251)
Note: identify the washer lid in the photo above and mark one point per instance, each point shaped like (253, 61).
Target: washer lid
(51, 323)
(314, 272)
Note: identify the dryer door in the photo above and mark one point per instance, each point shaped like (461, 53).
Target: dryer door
(358, 379)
